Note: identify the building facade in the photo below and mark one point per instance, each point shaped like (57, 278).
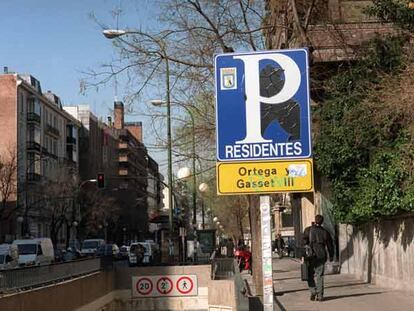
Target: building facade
(132, 179)
(43, 139)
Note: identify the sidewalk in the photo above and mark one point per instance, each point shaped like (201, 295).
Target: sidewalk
(342, 292)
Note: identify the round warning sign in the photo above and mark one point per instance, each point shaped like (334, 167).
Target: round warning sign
(184, 285)
(164, 285)
(144, 286)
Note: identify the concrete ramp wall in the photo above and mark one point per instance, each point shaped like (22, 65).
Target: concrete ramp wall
(111, 291)
(381, 253)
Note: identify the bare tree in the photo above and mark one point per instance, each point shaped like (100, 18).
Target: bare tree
(192, 32)
(8, 181)
(98, 209)
(56, 199)
(233, 214)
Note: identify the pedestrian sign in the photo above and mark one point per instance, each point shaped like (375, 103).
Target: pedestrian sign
(185, 285)
(164, 286)
(262, 105)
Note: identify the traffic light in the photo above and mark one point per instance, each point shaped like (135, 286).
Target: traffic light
(101, 181)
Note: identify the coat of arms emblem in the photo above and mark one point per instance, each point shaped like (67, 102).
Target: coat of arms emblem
(228, 78)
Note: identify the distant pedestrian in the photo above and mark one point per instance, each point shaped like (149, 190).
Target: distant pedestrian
(279, 245)
(319, 241)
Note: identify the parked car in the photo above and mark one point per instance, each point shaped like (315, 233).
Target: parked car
(59, 255)
(136, 254)
(124, 250)
(151, 252)
(71, 254)
(90, 246)
(109, 250)
(35, 251)
(8, 256)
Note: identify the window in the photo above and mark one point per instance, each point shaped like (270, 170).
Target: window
(33, 163)
(33, 106)
(33, 134)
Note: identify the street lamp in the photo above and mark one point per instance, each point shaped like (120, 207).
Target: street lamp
(74, 225)
(20, 220)
(124, 229)
(186, 172)
(116, 33)
(203, 188)
(75, 217)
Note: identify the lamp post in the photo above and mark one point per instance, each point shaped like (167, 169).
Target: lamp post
(203, 188)
(20, 220)
(75, 219)
(116, 33)
(158, 102)
(124, 229)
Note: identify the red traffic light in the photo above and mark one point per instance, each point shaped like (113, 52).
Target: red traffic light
(101, 181)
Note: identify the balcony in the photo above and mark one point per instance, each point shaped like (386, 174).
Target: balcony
(52, 130)
(123, 172)
(33, 117)
(123, 158)
(33, 146)
(122, 145)
(71, 140)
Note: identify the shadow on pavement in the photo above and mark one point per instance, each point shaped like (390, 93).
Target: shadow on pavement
(282, 292)
(350, 295)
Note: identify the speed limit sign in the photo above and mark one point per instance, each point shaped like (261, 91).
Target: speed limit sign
(144, 286)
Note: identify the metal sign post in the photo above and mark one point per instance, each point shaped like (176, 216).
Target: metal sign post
(266, 253)
(263, 130)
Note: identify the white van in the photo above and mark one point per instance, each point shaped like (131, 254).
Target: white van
(35, 251)
(89, 247)
(8, 256)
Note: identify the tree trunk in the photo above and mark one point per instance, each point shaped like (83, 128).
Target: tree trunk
(254, 216)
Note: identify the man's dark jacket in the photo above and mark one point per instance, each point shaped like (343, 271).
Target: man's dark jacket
(321, 240)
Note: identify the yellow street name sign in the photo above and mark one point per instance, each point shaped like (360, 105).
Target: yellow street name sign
(264, 177)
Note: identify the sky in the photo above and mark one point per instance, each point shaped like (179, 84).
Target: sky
(57, 40)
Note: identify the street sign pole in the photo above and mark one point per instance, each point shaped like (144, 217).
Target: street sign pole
(266, 253)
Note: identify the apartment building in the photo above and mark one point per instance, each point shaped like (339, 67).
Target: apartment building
(132, 178)
(44, 139)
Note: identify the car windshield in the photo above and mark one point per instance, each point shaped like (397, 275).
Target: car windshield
(90, 244)
(27, 249)
(2, 259)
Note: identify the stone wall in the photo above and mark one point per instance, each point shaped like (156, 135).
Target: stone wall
(382, 253)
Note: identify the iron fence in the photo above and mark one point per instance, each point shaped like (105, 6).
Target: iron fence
(222, 268)
(29, 277)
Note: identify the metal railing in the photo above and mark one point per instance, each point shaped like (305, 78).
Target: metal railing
(29, 277)
(222, 268)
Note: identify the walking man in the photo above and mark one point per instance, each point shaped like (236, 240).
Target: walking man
(320, 241)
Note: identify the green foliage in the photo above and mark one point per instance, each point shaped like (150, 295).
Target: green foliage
(395, 11)
(365, 152)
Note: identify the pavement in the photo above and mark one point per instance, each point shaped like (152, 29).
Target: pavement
(343, 292)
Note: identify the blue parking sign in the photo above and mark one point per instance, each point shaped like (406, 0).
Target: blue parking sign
(263, 105)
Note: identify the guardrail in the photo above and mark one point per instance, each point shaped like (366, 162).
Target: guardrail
(29, 277)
